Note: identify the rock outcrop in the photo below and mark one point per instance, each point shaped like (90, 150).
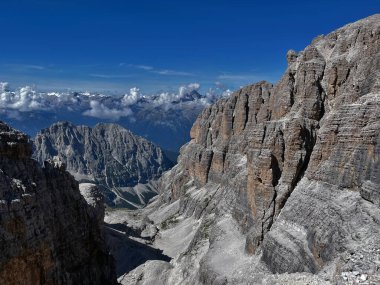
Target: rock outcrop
(48, 233)
(285, 178)
(107, 155)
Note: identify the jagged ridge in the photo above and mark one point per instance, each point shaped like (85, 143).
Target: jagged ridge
(107, 155)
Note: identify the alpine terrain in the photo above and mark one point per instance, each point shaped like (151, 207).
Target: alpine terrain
(279, 184)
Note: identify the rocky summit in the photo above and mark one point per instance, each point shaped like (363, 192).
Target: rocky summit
(115, 159)
(48, 232)
(280, 184)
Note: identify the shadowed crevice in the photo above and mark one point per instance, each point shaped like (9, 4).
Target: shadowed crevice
(129, 253)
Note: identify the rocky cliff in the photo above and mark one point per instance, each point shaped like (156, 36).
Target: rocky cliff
(48, 233)
(107, 155)
(282, 178)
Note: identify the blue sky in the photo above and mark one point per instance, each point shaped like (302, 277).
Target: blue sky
(158, 45)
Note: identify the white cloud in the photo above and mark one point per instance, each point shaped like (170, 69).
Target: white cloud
(131, 98)
(110, 76)
(183, 90)
(4, 87)
(251, 77)
(170, 100)
(226, 93)
(25, 99)
(25, 67)
(218, 90)
(194, 86)
(152, 69)
(145, 67)
(172, 72)
(99, 110)
(11, 114)
(35, 67)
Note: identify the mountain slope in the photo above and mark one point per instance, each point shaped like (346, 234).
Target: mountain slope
(283, 178)
(107, 155)
(48, 233)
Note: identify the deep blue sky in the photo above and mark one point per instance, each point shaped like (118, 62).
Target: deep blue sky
(118, 44)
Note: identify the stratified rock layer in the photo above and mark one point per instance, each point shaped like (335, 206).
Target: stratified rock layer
(48, 233)
(107, 155)
(296, 165)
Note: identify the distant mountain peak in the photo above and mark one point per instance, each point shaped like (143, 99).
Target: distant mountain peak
(107, 155)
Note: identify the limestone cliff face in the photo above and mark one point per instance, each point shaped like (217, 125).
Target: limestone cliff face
(297, 164)
(48, 233)
(107, 155)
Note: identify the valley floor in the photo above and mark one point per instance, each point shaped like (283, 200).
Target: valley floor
(155, 245)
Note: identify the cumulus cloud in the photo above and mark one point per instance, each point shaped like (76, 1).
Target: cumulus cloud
(25, 99)
(131, 98)
(100, 111)
(226, 93)
(183, 90)
(171, 99)
(219, 90)
(4, 87)
(218, 93)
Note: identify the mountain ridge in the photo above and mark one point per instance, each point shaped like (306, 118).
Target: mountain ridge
(107, 155)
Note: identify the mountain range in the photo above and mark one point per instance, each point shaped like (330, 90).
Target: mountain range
(164, 118)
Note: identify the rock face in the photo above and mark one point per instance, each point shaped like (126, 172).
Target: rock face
(107, 155)
(48, 232)
(286, 178)
(95, 199)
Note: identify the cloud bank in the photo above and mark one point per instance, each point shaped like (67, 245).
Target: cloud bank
(99, 110)
(105, 107)
(25, 99)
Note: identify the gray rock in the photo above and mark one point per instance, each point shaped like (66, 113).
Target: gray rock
(48, 233)
(95, 199)
(107, 155)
